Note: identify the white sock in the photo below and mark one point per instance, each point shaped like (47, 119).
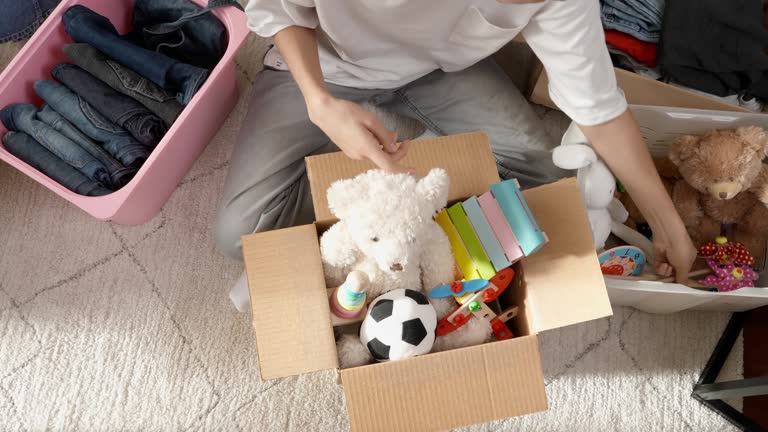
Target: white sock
(240, 295)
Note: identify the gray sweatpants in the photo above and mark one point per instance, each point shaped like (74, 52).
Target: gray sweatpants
(267, 186)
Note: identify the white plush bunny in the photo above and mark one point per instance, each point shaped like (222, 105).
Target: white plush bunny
(597, 185)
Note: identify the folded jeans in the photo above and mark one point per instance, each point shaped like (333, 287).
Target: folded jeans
(614, 22)
(181, 30)
(124, 111)
(86, 26)
(114, 139)
(33, 153)
(119, 174)
(22, 118)
(125, 81)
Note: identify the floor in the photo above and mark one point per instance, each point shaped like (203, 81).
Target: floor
(106, 327)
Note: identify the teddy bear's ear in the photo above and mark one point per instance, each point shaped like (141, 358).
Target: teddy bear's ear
(756, 139)
(434, 188)
(683, 148)
(342, 195)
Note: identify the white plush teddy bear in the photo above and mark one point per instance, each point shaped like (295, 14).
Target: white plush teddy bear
(386, 229)
(597, 186)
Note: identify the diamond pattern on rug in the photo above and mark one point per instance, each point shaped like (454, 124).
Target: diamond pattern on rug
(97, 370)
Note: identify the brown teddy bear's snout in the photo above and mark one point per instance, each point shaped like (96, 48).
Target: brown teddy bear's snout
(724, 190)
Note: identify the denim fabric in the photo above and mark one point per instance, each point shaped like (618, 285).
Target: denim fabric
(124, 111)
(651, 12)
(613, 22)
(119, 143)
(639, 18)
(86, 26)
(181, 30)
(22, 118)
(33, 153)
(20, 18)
(119, 175)
(125, 81)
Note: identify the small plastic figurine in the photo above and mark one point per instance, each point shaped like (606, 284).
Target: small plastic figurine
(349, 299)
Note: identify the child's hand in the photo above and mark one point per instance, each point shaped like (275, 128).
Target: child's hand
(674, 252)
(358, 132)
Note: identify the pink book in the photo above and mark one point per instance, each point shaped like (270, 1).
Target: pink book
(500, 227)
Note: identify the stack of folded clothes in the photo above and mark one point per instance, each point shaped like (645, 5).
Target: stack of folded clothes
(104, 113)
(708, 47)
(717, 47)
(632, 31)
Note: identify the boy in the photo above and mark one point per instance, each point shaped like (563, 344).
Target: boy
(427, 59)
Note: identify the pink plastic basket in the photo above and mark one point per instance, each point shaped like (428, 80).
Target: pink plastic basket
(142, 198)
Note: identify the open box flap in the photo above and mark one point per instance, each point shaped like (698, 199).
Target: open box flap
(640, 90)
(447, 390)
(291, 315)
(564, 283)
(467, 158)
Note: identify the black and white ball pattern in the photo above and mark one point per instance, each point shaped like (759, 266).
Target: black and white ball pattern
(399, 324)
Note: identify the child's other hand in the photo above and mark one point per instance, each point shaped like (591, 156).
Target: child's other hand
(358, 132)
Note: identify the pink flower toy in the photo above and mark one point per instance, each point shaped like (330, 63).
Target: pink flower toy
(730, 277)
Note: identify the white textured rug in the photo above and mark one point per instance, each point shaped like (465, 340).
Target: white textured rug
(106, 328)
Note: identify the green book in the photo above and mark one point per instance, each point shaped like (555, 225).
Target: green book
(474, 247)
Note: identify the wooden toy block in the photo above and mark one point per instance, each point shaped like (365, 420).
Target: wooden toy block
(500, 226)
(514, 207)
(460, 254)
(485, 234)
(472, 243)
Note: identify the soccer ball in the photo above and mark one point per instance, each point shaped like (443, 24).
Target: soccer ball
(399, 324)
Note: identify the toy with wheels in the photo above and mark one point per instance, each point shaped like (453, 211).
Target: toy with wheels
(472, 296)
(399, 324)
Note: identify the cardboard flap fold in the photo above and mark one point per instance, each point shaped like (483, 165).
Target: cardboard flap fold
(564, 283)
(291, 315)
(467, 158)
(640, 90)
(448, 390)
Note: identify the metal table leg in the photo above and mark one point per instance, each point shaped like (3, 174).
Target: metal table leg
(710, 393)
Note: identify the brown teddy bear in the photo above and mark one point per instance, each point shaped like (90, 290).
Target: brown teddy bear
(724, 181)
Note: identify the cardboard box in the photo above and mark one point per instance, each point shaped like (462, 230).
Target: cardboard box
(639, 90)
(659, 126)
(558, 286)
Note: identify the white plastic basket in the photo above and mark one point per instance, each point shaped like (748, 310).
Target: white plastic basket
(660, 126)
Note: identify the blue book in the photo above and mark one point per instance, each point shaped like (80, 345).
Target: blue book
(519, 216)
(485, 234)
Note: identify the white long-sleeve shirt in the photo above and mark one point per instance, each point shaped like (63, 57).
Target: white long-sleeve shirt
(389, 43)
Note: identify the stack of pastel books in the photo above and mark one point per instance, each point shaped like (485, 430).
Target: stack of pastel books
(491, 232)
